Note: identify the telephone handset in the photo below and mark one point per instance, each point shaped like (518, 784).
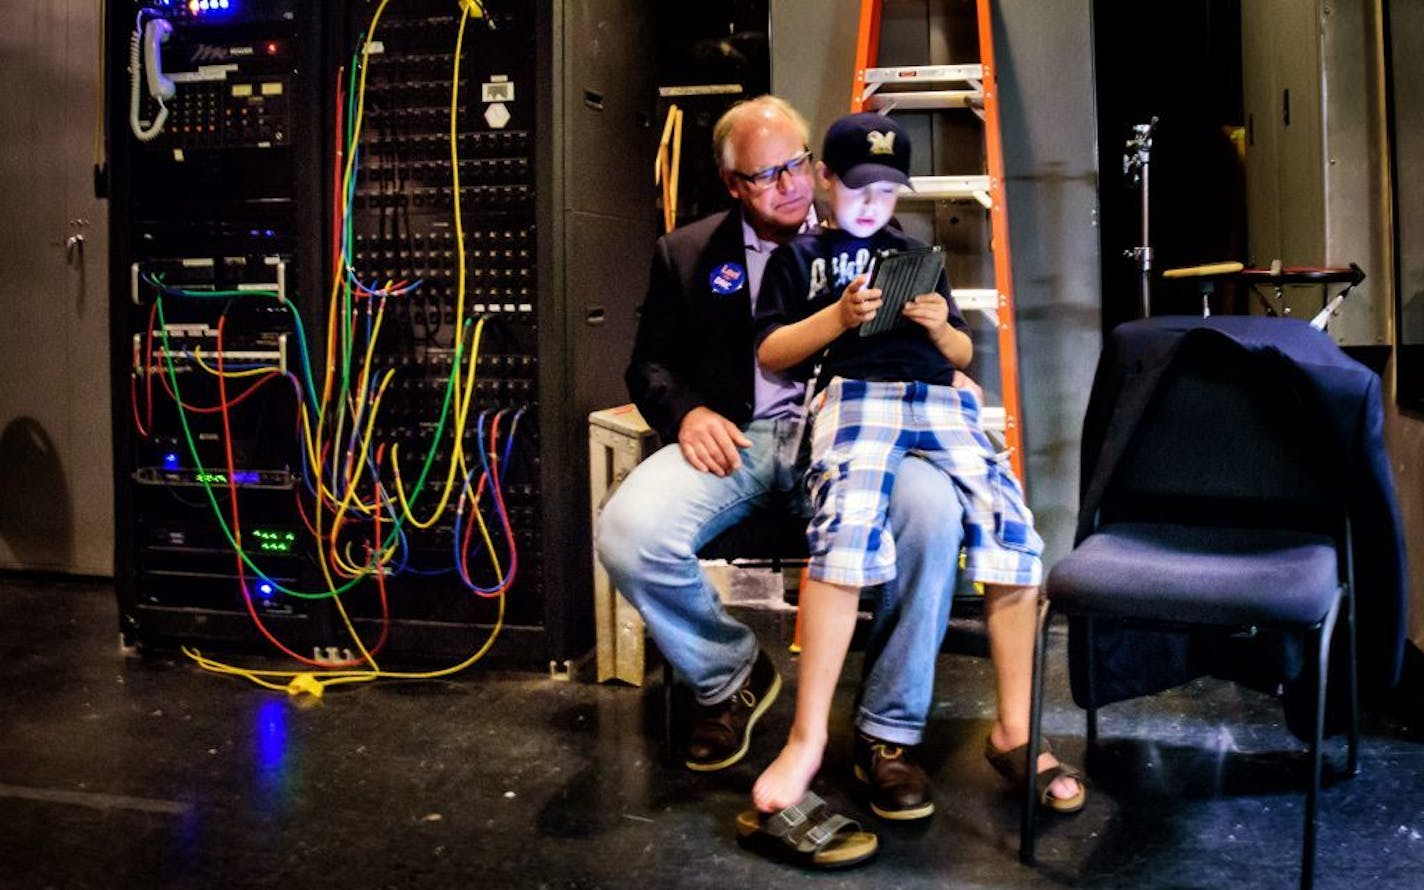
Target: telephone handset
(153, 34)
(156, 32)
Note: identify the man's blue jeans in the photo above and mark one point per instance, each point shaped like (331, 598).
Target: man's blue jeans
(665, 511)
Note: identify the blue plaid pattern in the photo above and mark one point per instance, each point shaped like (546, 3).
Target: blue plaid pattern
(861, 430)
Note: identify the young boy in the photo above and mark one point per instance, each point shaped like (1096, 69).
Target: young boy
(881, 397)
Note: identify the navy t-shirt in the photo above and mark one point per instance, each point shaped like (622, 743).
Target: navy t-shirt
(811, 272)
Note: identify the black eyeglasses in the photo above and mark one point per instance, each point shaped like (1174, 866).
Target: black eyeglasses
(767, 177)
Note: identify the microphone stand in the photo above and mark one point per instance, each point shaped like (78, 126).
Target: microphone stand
(1136, 166)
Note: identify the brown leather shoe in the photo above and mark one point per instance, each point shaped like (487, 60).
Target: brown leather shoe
(723, 731)
(899, 788)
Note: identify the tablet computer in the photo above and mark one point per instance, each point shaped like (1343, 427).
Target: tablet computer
(901, 275)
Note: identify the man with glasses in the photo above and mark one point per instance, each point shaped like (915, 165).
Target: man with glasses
(732, 432)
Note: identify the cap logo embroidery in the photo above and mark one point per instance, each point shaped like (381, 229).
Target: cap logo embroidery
(881, 143)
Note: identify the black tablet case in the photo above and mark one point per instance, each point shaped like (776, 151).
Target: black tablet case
(902, 275)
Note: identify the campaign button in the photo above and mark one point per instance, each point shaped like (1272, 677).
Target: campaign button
(727, 278)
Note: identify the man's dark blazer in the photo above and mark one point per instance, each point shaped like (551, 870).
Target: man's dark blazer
(694, 345)
(1134, 362)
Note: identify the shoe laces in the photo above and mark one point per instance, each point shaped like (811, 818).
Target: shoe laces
(887, 751)
(747, 697)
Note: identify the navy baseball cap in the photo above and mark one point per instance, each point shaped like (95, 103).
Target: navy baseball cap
(867, 147)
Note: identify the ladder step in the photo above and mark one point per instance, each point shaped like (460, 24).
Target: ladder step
(947, 188)
(932, 99)
(955, 90)
(925, 74)
(977, 299)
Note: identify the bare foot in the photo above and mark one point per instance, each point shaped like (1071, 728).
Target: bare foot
(786, 780)
(1063, 788)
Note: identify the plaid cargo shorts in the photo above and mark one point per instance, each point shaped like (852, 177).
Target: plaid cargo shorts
(861, 430)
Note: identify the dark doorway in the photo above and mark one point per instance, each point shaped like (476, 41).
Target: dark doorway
(1179, 62)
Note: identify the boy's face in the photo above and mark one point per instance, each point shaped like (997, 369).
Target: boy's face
(864, 211)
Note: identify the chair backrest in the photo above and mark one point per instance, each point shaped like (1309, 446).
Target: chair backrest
(1225, 441)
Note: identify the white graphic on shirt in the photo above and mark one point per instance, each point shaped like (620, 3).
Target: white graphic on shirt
(844, 268)
(818, 277)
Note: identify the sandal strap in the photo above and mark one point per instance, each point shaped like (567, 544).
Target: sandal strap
(821, 834)
(1051, 775)
(791, 823)
(1011, 763)
(808, 825)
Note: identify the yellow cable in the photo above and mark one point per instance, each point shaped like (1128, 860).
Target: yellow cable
(362, 388)
(475, 513)
(340, 676)
(663, 144)
(339, 279)
(307, 681)
(252, 372)
(662, 168)
(338, 515)
(462, 411)
(460, 396)
(676, 167)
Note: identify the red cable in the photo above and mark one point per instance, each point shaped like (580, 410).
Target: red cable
(236, 513)
(148, 372)
(138, 421)
(376, 553)
(214, 409)
(498, 492)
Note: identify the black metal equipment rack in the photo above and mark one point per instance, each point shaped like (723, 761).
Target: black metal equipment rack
(236, 194)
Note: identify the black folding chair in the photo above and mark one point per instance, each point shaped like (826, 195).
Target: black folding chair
(1227, 510)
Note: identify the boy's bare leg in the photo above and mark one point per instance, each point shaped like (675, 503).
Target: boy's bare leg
(1011, 614)
(827, 622)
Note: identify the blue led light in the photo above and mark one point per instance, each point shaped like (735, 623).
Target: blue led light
(170, 461)
(269, 736)
(265, 589)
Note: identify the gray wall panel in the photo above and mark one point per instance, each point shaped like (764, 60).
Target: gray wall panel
(1045, 61)
(56, 506)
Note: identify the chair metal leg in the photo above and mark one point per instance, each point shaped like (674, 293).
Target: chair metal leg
(1321, 665)
(1035, 721)
(1352, 760)
(1091, 676)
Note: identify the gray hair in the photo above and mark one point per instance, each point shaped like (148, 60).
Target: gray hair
(722, 131)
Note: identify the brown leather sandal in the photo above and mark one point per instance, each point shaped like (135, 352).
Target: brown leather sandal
(1010, 765)
(807, 834)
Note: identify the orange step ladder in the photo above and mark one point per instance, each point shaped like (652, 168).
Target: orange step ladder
(973, 87)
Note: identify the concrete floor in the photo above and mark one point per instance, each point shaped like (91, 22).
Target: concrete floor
(117, 771)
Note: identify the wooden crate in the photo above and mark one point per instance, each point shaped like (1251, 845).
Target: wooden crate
(618, 440)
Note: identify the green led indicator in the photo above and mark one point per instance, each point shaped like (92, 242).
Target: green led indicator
(273, 540)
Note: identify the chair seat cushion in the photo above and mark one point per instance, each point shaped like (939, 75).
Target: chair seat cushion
(1229, 576)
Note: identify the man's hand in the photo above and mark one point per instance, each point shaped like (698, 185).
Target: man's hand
(964, 381)
(710, 441)
(858, 303)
